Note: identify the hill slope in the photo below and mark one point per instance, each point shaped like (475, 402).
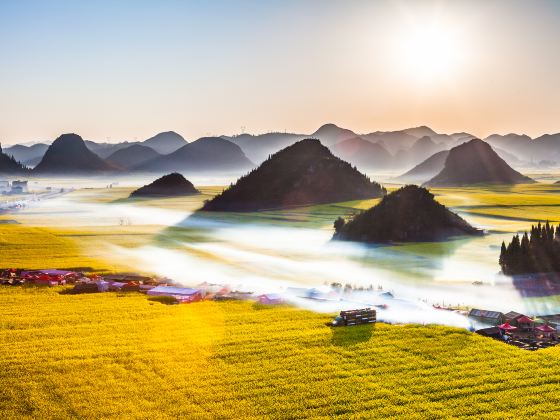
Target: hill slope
(409, 214)
(475, 162)
(132, 156)
(260, 147)
(208, 154)
(69, 154)
(303, 173)
(104, 150)
(28, 155)
(8, 165)
(427, 169)
(362, 153)
(330, 134)
(167, 186)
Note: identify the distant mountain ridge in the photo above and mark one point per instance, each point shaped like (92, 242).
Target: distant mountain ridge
(207, 154)
(400, 149)
(475, 162)
(406, 148)
(362, 153)
(132, 156)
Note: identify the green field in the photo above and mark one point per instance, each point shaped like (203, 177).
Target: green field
(109, 355)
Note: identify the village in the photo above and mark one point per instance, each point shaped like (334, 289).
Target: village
(13, 188)
(513, 328)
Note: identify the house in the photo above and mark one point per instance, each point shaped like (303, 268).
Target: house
(521, 321)
(4, 187)
(234, 295)
(130, 286)
(486, 317)
(181, 294)
(85, 288)
(492, 332)
(270, 299)
(512, 317)
(49, 277)
(525, 323)
(546, 331)
(19, 187)
(125, 278)
(552, 320)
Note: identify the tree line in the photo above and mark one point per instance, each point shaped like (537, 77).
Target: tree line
(537, 252)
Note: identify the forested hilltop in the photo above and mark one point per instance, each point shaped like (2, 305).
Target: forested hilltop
(301, 174)
(538, 252)
(409, 214)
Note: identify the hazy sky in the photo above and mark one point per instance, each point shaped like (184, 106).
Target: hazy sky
(126, 70)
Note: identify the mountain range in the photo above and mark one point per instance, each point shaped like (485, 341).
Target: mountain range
(207, 154)
(132, 156)
(379, 150)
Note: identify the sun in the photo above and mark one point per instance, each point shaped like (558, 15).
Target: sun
(429, 51)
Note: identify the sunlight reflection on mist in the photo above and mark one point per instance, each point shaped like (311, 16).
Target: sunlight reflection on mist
(272, 259)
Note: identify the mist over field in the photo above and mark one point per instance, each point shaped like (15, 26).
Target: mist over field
(290, 253)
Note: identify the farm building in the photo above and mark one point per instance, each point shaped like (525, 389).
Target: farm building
(85, 288)
(4, 187)
(19, 187)
(90, 287)
(525, 323)
(546, 330)
(512, 317)
(181, 294)
(492, 332)
(234, 295)
(270, 299)
(486, 317)
(125, 278)
(552, 320)
(130, 286)
(49, 277)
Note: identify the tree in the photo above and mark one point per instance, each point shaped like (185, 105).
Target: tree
(503, 255)
(339, 224)
(539, 252)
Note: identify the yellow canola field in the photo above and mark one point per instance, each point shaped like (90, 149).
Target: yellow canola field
(111, 355)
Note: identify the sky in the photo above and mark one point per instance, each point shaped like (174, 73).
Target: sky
(128, 69)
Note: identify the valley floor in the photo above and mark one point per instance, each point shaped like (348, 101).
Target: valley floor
(110, 355)
(121, 355)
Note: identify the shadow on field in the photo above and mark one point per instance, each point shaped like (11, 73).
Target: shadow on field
(350, 336)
